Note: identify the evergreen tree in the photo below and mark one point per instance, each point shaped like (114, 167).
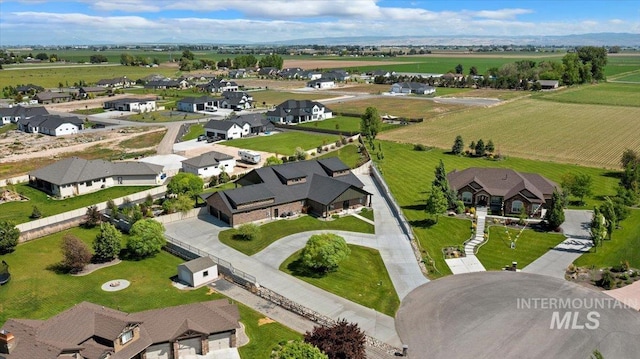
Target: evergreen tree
(480, 149)
(490, 148)
(555, 212)
(108, 243)
(597, 228)
(458, 146)
(609, 212)
(9, 235)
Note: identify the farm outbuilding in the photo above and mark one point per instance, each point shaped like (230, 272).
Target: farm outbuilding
(198, 271)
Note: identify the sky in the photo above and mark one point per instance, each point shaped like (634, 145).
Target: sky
(50, 22)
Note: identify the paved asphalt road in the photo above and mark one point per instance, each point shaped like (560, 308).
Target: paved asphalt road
(482, 315)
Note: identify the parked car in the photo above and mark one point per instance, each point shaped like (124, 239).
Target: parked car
(202, 138)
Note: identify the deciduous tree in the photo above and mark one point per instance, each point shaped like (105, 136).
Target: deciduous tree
(578, 185)
(146, 238)
(248, 232)
(272, 161)
(597, 228)
(76, 254)
(370, 123)
(609, 212)
(341, 341)
(298, 350)
(107, 244)
(436, 202)
(324, 252)
(9, 236)
(273, 60)
(185, 183)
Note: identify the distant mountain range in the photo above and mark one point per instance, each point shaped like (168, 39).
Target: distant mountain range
(593, 39)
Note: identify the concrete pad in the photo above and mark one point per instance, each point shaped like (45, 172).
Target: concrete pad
(511, 315)
(629, 295)
(172, 163)
(467, 264)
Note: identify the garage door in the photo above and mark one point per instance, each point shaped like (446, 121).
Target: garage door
(159, 351)
(218, 341)
(191, 346)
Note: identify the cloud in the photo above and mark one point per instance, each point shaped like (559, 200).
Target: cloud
(616, 21)
(500, 14)
(126, 6)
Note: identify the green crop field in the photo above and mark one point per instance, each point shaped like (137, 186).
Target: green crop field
(284, 143)
(632, 77)
(616, 94)
(409, 175)
(590, 135)
(51, 77)
(618, 64)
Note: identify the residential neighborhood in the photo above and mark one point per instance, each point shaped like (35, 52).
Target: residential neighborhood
(183, 181)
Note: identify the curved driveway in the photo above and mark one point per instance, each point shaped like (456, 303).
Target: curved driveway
(393, 245)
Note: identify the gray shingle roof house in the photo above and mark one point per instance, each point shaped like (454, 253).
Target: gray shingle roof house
(320, 187)
(195, 104)
(29, 88)
(91, 331)
(48, 97)
(17, 113)
(413, 87)
(217, 85)
(239, 126)
(115, 82)
(209, 164)
(294, 112)
(75, 176)
(505, 191)
(52, 125)
(236, 100)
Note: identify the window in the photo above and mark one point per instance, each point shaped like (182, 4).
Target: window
(467, 197)
(516, 206)
(126, 337)
(205, 273)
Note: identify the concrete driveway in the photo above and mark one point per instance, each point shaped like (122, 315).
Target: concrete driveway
(555, 262)
(509, 315)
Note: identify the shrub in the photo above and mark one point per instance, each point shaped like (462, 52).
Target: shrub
(319, 149)
(459, 207)
(325, 148)
(607, 281)
(338, 144)
(324, 252)
(292, 159)
(92, 217)
(419, 147)
(248, 232)
(76, 254)
(472, 210)
(35, 214)
(343, 141)
(313, 154)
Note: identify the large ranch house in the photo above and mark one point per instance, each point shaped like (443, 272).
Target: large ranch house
(294, 112)
(77, 176)
(504, 191)
(131, 105)
(319, 187)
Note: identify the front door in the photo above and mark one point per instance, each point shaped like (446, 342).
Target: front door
(482, 200)
(345, 205)
(276, 213)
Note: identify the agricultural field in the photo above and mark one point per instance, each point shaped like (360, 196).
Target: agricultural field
(284, 143)
(409, 175)
(621, 63)
(633, 77)
(395, 106)
(67, 75)
(615, 94)
(582, 134)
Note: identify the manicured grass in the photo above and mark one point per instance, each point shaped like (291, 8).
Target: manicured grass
(368, 214)
(195, 130)
(348, 154)
(615, 94)
(274, 98)
(340, 123)
(624, 246)
(361, 278)
(497, 252)
(164, 116)
(221, 187)
(37, 292)
(584, 134)
(19, 212)
(272, 231)
(90, 111)
(284, 143)
(433, 237)
(409, 174)
(150, 139)
(395, 106)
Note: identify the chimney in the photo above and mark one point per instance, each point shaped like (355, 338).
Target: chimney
(7, 342)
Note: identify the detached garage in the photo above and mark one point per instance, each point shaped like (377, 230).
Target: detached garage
(198, 271)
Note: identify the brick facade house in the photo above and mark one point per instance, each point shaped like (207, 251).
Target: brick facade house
(503, 191)
(319, 187)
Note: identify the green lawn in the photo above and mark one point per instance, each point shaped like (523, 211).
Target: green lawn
(368, 214)
(448, 232)
(19, 212)
(272, 231)
(149, 139)
(8, 127)
(617, 94)
(348, 154)
(228, 185)
(195, 130)
(497, 252)
(164, 116)
(361, 278)
(409, 175)
(273, 98)
(37, 292)
(340, 123)
(624, 246)
(90, 111)
(284, 143)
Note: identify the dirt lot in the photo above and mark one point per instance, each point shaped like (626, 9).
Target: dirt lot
(21, 146)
